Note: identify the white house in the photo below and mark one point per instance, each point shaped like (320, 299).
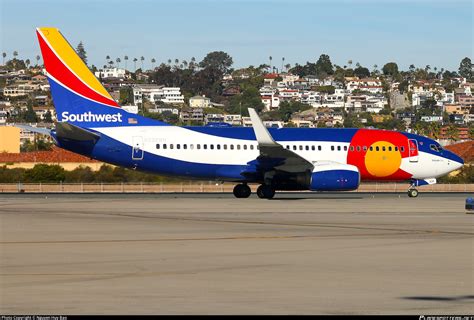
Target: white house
(154, 93)
(271, 102)
(199, 102)
(110, 73)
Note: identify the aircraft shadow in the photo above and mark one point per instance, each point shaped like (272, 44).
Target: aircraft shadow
(438, 298)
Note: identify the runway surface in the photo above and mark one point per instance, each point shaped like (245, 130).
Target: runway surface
(213, 254)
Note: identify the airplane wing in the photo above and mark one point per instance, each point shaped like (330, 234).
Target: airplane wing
(273, 156)
(44, 131)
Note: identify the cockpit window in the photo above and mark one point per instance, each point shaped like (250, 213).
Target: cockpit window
(435, 147)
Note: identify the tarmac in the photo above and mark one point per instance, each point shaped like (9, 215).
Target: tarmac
(347, 253)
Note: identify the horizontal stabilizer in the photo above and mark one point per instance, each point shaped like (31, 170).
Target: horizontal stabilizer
(44, 131)
(66, 130)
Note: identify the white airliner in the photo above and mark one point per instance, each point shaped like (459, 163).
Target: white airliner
(91, 123)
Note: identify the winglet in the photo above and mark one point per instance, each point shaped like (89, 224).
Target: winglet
(261, 132)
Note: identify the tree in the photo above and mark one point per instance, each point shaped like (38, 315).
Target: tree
(135, 64)
(465, 68)
(153, 63)
(324, 66)
(107, 58)
(142, 58)
(361, 72)
(118, 62)
(37, 59)
(81, 52)
(27, 62)
(217, 60)
(390, 69)
(453, 133)
(48, 117)
(15, 54)
(270, 58)
(4, 55)
(125, 58)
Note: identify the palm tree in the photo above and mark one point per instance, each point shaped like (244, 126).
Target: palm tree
(357, 65)
(135, 64)
(4, 55)
(185, 63)
(118, 62)
(107, 58)
(270, 58)
(126, 59)
(349, 63)
(287, 66)
(176, 61)
(15, 54)
(37, 59)
(27, 63)
(142, 58)
(282, 63)
(169, 62)
(111, 63)
(153, 63)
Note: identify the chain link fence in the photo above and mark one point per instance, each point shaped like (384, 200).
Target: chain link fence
(196, 187)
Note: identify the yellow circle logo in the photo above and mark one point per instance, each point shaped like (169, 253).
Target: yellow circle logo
(381, 159)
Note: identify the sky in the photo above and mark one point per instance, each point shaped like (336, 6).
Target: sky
(371, 32)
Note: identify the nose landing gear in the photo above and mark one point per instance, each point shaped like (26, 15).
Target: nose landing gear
(412, 193)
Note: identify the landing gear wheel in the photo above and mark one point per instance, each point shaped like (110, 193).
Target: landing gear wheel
(265, 192)
(413, 193)
(242, 191)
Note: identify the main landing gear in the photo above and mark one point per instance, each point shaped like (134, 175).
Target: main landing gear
(265, 192)
(242, 191)
(412, 193)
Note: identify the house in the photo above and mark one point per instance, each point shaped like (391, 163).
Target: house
(194, 114)
(154, 94)
(110, 73)
(231, 91)
(271, 102)
(270, 79)
(438, 119)
(233, 119)
(199, 102)
(456, 118)
(214, 117)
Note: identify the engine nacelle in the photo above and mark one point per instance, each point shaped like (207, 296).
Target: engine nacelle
(334, 177)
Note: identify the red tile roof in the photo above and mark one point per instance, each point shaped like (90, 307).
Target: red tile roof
(53, 156)
(463, 149)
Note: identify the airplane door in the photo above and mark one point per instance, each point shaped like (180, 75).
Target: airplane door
(413, 150)
(137, 152)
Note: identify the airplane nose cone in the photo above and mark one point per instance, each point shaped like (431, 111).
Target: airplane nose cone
(458, 161)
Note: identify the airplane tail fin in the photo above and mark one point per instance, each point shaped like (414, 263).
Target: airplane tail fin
(78, 96)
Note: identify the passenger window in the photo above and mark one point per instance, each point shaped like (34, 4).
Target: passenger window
(231, 147)
(198, 146)
(301, 147)
(371, 148)
(307, 148)
(377, 148)
(238, 147)
(171, 146)
(358, 148)
(383, 148)
(251, 147)
(178, 146)
(157, 146)
(245, 147)
(364, 148)
(218, 147)
(351, 148)
(319, 148)
(294, 147)
(389, 148)
(185, 146)
(224, 146)
(402, 149)
(396, 148)
(345, 148)
(332, 148)
(204, 146)
(211, 146)
(191, 146)
(164, 146)
(338, 148)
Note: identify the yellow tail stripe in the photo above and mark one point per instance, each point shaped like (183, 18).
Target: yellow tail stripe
(69, 56)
